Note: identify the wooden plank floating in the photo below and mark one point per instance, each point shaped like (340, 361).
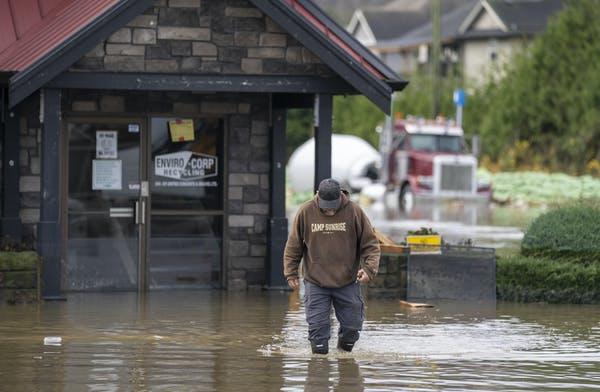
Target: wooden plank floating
(387, 245)
(414, 304)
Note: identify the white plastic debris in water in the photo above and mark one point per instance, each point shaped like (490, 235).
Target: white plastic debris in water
(52, 341)
(372, 194)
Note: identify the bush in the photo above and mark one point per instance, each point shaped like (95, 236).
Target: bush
(531, 279)
(571, 232)
(27, 260)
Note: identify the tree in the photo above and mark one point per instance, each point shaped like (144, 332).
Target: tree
(544, 112)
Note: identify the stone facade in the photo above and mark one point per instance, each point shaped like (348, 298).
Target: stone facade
(246, 190)
(391, 280)
(203, 37)
(199, 37)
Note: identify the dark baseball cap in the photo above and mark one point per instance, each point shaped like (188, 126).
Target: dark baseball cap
(329, 194)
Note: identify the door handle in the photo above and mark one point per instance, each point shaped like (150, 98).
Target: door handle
(118, 212)
(143, 212)
(140, 212)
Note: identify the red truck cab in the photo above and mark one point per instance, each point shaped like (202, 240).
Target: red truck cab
(430, 160)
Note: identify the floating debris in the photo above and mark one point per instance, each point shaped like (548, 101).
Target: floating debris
(415, 304)
(52, 341)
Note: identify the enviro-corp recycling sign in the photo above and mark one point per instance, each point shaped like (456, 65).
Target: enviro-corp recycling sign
(186, 167)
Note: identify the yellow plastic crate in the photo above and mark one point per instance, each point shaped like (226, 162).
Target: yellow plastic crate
(424, 243)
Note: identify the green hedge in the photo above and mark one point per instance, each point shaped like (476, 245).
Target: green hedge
(27, 260)
(19, 276)
(537, 279)
(572, 231)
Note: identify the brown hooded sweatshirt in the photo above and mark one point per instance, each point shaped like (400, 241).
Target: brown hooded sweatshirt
(332, 246)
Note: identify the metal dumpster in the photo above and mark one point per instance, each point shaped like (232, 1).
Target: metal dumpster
(462, 273)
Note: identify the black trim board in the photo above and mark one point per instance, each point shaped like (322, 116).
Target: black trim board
(10, 221)
(67, 53)
(378, 91)
(201, 83)
(293, 101)
(5, 78)
(278, 224)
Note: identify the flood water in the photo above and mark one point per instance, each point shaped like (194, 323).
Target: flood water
(481, 224)
(219, 341)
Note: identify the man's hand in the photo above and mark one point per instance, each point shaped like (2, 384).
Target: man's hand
(362, 277)
(293, 283)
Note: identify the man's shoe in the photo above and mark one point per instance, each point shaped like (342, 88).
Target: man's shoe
(346, 346)
(319, 348)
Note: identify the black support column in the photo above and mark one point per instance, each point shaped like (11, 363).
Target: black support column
(11, 203)
(49, 227)
(323, 122)
(278, 223)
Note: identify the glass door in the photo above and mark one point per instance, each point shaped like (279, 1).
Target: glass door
(103, 204)
(186, 202)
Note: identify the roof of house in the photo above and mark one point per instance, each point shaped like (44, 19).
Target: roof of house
(450, 23)
(526, 16)
(391, 24)
(397, 17)
(514, 17)
(50, 35)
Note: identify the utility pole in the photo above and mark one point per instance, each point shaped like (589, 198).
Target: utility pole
(436, 49)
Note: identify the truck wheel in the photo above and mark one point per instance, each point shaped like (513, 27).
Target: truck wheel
(407, 199)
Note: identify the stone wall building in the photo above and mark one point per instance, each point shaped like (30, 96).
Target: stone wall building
(151, 136)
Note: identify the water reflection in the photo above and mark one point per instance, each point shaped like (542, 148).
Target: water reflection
(216, 341)
(457, 221)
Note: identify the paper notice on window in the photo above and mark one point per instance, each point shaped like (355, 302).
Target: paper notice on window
(106, 145)
(181, 130)
(106, 174)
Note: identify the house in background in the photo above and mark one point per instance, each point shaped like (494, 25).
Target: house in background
(380, 28)
(478, 37)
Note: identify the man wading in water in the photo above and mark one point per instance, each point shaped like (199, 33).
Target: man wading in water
(333, 235)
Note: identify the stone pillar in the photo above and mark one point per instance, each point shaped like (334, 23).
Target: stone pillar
(323, 122)
(49, 231)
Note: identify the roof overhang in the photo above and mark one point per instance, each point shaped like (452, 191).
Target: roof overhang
(308, 24)
(5, 78)
(73, 48)
(302, 19)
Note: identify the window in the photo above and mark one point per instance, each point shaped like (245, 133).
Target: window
(436, 143)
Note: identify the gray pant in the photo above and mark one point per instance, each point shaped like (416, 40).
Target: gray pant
(349, 310)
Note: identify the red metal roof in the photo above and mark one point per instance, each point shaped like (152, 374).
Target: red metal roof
(29, 29)
(336, 39)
